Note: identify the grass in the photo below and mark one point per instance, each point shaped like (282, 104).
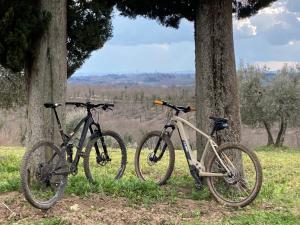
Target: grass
(278, 202)
(52, 221)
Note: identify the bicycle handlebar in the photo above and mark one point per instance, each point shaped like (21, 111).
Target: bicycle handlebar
(176, 108)
(89, 105)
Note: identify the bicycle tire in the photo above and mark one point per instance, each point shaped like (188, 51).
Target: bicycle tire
(122, 147)
(258, 179)
(171, 162)
(25, 177)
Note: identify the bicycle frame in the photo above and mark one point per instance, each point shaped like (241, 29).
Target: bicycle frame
(87, 123)
(179, 123)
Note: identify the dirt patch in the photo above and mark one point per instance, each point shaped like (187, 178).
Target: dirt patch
(98, 209)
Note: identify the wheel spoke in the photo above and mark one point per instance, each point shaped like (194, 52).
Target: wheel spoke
(150, 169)
(112, 164)
(239, 185)
(42, 185)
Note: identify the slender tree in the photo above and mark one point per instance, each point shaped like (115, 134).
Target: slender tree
(216, 81)
(42, 38)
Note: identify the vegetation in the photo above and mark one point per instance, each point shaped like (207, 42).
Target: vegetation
(278, 201)
(269, 100)
(22, 24)
(12, 91)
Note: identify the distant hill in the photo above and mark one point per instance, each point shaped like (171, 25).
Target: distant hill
(148, 79)
(155, 79)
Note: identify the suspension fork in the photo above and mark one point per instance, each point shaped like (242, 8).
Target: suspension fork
(102, 142)
(160, 139)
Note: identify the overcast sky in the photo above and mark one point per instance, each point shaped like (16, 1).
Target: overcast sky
(271, 38)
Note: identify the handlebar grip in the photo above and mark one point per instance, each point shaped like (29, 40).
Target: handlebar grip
(158, 102)
(193, 109)
(77, 104)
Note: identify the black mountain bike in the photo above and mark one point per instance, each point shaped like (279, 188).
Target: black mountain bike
(45, 167)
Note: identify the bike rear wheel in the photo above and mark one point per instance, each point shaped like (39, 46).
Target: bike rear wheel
(155, 167)
(244, 182)
(43, 175)
(96, 166)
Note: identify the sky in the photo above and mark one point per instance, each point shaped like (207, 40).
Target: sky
(271, 38)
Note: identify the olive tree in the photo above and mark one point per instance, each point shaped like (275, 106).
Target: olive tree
(268, 101)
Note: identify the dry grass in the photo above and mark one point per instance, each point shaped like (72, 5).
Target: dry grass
(134, 114)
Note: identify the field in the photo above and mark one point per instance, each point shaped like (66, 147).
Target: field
(134, 113)
(130, 201)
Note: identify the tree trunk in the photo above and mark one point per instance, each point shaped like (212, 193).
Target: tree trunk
(281, 133)
(216, 80)
(270, 136)
(46, 75)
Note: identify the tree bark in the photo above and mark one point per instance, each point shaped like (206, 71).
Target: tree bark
(270, 136)
(281, 133)
(216, 80)
(46, 74)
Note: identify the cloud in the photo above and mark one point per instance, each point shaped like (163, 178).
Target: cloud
(293, 5)
(141, 45)
(144, 31)
(154, 57)
(275, 65)
(243, 28)
(259, 49)
(279, 24)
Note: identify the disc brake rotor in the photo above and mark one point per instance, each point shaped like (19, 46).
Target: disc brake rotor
(103, 161)
(44, 173)
(151, 159)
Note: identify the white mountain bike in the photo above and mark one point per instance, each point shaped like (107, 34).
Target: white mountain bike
(232, 171)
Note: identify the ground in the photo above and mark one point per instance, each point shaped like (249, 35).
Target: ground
(97, 209)
(130, 201)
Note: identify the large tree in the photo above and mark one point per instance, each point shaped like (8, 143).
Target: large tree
(216, 81)
(49, 40)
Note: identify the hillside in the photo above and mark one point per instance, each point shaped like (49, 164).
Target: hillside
(154, 79)
(146, 79)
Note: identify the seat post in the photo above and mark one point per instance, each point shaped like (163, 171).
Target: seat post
(58, 122)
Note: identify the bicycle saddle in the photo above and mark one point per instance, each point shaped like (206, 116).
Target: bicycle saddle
(218, 119)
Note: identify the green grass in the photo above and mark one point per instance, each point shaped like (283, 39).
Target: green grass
(52, 221)
(278, 202)
(263, 218)
(9, 168)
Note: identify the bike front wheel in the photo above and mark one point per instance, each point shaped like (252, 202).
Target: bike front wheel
(43, 175)
(109, 163)
(155, 158)
(243, 182)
